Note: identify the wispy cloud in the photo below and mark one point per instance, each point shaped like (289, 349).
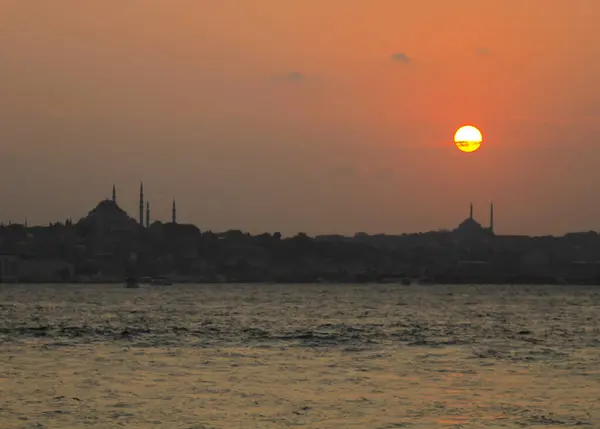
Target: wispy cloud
(291, 76)
(483, 51)
(344, 172)
(401, 57)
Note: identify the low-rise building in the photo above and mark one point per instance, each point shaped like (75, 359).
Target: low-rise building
(44, 270)
(9, 268)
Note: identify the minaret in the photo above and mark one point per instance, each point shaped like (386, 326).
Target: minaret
(174, 215)
(471, 211)
(492, 217)
(114, 196)
(142, 203)
(147, 214)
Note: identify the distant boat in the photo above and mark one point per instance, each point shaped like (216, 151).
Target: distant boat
(131, 283)
(160, 281)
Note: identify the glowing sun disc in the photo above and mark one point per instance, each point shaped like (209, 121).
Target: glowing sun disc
(468, 138)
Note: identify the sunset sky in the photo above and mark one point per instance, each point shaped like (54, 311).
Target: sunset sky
(322, 116)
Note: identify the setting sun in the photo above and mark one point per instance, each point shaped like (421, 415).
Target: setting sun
(468, 138)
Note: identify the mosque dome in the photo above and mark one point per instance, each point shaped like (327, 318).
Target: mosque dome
(108, 215)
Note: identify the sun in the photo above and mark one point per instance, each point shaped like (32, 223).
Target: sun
(468, 138)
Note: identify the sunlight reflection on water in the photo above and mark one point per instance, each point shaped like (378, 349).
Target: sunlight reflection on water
(314, 356)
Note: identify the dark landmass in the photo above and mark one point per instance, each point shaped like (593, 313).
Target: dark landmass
(108, 246)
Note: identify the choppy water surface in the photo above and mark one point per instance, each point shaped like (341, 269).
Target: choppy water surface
(310, 356)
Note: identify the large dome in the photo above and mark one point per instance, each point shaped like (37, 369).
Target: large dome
(107, 214)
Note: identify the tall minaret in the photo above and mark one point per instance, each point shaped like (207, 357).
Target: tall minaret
(492, 217)
(174, 214)
(471, 211)
(114, 196)
(142, 203)
(147, 214)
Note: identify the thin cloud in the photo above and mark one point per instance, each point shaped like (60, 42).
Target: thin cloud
(401, 57)
(383, 174)
(344, 172)
(483, 52)
(291, 76)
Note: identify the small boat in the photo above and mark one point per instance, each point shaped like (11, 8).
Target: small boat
(131, 283)
(160, 281)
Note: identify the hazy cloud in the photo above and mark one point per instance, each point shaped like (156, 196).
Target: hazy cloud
(401, 57)
(344, 172)
(291, 76)
(483, 52)
(382, 174)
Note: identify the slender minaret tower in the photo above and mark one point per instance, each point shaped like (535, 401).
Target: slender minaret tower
(471, 211)
(142, 203)
(492, 217)
(147, 214)
(114, 196)
(174, 214)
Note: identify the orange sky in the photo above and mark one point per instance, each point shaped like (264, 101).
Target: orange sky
(269, 115)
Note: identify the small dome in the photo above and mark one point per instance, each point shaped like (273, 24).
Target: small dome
(469, 224)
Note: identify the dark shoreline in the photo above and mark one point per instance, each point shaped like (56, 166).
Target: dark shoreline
(108, 246)
(449, 282)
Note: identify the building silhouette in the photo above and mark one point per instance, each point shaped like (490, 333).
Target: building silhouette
(141, 204)
(108, 244)
(147, 214)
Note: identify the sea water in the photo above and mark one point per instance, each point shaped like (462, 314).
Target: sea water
(309, 356)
